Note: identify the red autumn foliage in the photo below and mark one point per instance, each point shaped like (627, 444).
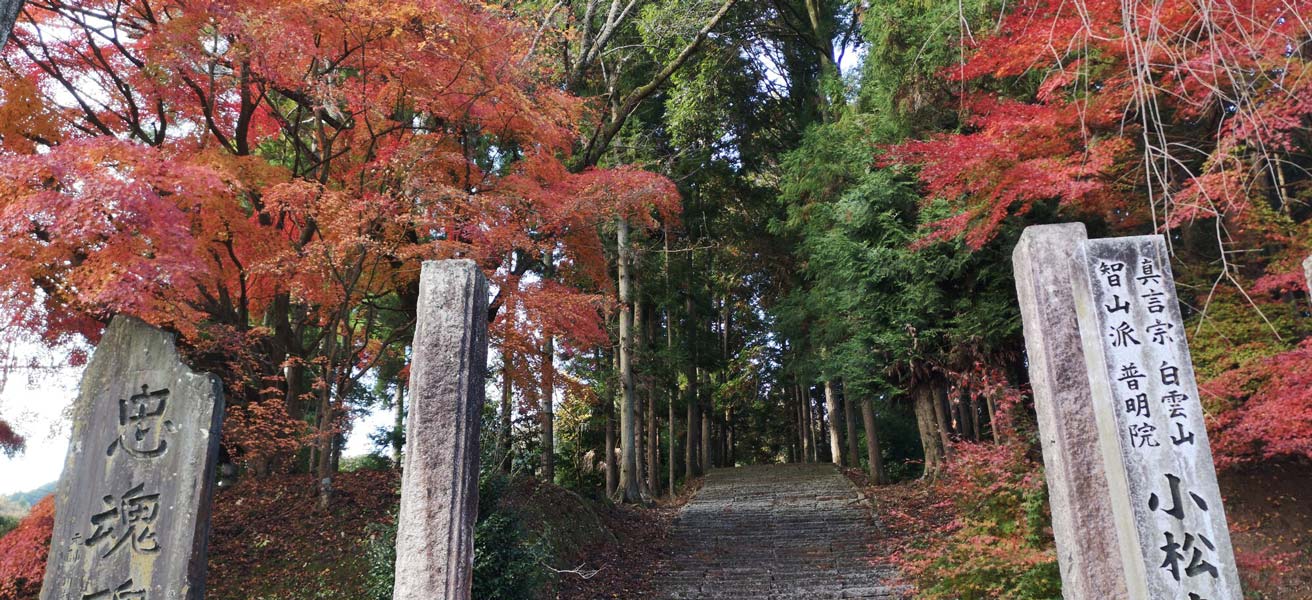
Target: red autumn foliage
(23, 553)
(266, 177)
(987, 536)
(1167, 113)
(269, 526)
(1272, 418)
(1151, 118)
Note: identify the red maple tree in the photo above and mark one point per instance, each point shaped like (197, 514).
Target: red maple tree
(266, 177)
(23, 552)
(1172, 116)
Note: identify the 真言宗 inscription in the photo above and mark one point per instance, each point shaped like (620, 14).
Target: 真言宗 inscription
(132, 506)
(1165, 498)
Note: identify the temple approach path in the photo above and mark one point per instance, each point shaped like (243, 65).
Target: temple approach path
(772, 533)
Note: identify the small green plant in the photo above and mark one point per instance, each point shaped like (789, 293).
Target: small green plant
(380, 553)
(506, 565)
(7, 524)
(1000, 545)
(367, 462)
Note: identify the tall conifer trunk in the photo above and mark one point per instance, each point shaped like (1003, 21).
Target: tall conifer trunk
(812, 452)
(704, 461)
(975, 418)
(653, 427)
(638, 335)
(835, 424)
(653, 435)
(629, 488)
(849, 417)
(799, 423)
(504, 422)
(693, 424)
(941, 416)
(398, 431)
(546, 410)
(728, 438)
(612, 461)
(673, 457)
(872, 444)
(928, 427)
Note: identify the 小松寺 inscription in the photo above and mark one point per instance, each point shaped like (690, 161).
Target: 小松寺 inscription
(1163, 483)
(132, 507)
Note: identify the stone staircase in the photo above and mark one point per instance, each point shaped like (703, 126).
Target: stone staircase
(772, 533)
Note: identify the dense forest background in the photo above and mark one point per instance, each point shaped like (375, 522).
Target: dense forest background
(719, 231)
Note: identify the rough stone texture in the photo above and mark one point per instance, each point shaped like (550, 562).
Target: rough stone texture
(1087, 546)
(132, 509)
(1166, 502)
(439, 489)
(9, 10)
(775, 532)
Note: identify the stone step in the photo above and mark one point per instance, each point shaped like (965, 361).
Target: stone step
(776, 532)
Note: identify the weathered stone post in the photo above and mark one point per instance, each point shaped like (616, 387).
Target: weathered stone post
(133, 505)
(9, 10)
(1165, 500)
(439, 487)
(1087, 546)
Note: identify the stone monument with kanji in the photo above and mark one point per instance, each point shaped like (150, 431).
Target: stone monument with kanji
(132, 507)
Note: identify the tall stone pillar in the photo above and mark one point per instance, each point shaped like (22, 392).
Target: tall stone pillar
(439, 488)
(1087, 544)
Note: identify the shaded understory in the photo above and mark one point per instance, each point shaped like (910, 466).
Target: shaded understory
(1267, 508)
(270, 541)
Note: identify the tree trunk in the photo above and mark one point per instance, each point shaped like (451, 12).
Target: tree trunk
(612, 470)
(968, 426)
(799, 422)
(811, 450)
(704, 461)
(728, 438)
(674, 448)
(835, 424)
(976, 427)
(546, 411)
(398, 430)
(993, 419)
(653, 444)
(631, 477)
(640, 442)
(956, 420)
(692, 441)
(940, 396)
(324, 453)
(717, 434)
(629, 489)
(849, 417)
(503, 431)
(673, 456)
(692, 423)
(652, 428)
(872, 443)
(928, 427)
